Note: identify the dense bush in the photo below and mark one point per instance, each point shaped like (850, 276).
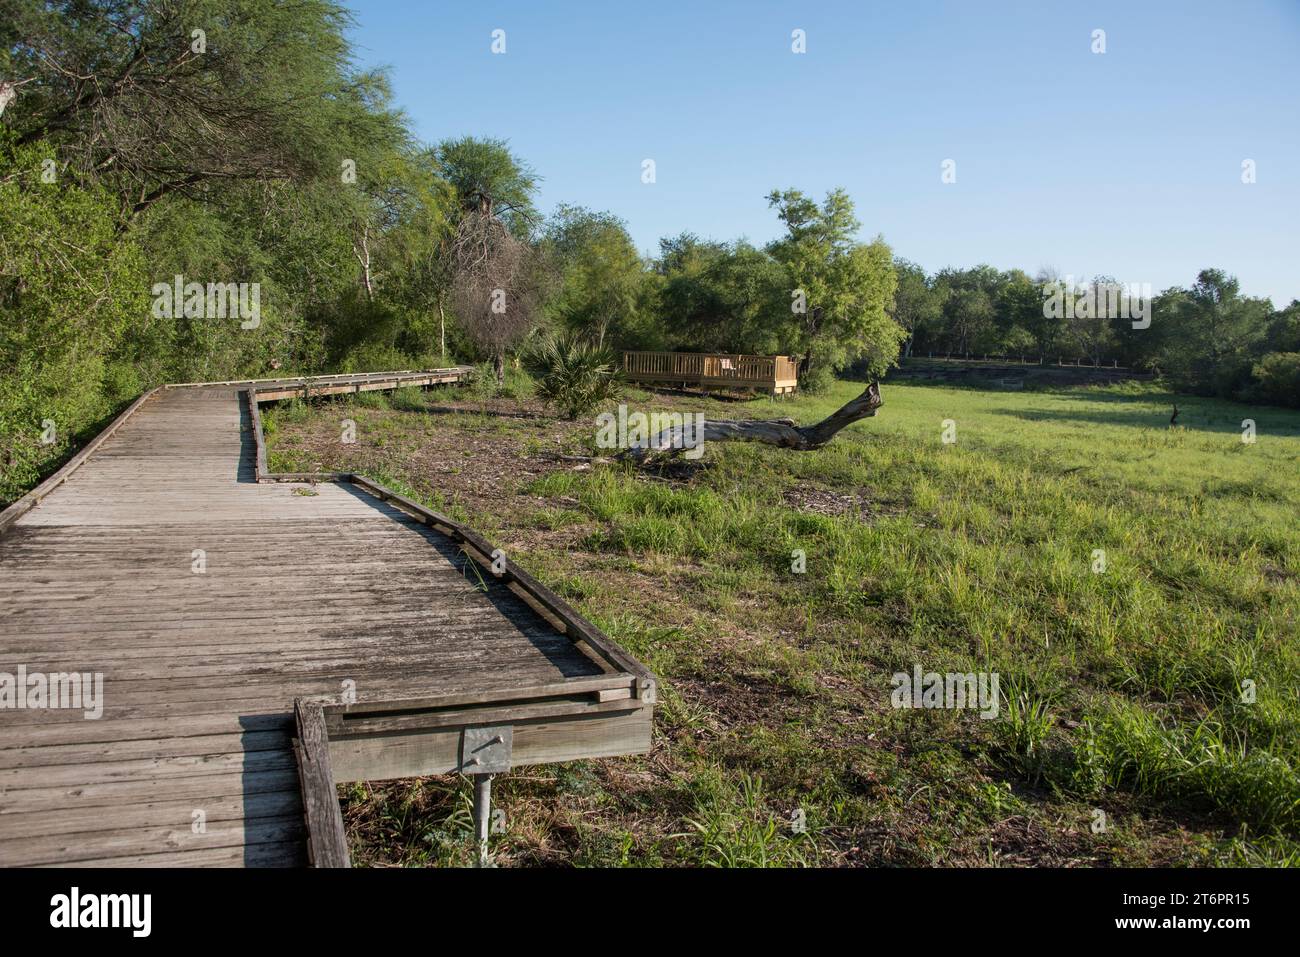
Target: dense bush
(72, 294)
(574, 375)
(1277, 378)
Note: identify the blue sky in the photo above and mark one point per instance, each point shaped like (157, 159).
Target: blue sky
(1126, 163)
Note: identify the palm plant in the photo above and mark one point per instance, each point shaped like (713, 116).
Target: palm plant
(574, 375)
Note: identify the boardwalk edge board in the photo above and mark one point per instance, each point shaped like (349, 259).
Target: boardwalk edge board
(327, 844)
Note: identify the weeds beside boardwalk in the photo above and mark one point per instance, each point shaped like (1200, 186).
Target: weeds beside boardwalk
(1151, 711)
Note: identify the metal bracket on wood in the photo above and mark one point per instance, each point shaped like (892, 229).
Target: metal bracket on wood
(484, 753)
(486, 750)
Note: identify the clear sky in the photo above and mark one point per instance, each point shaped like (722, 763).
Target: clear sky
(1126, 163)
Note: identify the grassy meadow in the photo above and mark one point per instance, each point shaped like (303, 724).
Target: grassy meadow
(1150, 697)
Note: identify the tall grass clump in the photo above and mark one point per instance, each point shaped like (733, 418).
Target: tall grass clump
(732, 827)
(1206, 762)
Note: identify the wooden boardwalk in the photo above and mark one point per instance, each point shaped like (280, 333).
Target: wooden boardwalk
(210, 603)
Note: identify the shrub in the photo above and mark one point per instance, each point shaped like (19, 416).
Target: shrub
(818, 379)
(377, 357)
(516, 383)
(72, 292)
(574, 375)
(1278, 379)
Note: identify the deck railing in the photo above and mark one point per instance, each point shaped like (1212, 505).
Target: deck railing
(774, 374)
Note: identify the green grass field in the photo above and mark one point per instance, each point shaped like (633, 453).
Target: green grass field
(1149, 712)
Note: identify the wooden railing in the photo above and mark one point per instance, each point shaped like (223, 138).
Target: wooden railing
(775, 374)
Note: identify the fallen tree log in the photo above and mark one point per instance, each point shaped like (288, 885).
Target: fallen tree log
(684, 437)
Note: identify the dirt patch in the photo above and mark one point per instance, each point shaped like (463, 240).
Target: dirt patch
(487, 456)
(823, 501)
(1026, 842)
(1278, 575)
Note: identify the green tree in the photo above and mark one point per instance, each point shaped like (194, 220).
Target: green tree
(1020, 310)
(487, 177)
(602, 278)
(1213, 333)
(1277, 379)
(720, 297)
(840, 289)
(969, 317)
(155, 99)
(498, 284)
(1091, 331)
(1284, 329)
(917, 304)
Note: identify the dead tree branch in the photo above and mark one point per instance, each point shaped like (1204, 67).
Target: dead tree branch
(779, 432)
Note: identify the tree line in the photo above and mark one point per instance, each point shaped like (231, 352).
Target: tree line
(1207, 338)
(236, 141)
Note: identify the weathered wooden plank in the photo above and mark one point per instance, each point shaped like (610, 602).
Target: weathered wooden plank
(29, 501)
(223, 625)
(438, 751)
(443, 674)
(495, 693)
(259, 455)
(158, 838)
(321, 634)
(186, 724)
(155, 769)
(327, 844)
(368, 691)
(157, 657)
(222, 807)
(115, 794)
(285, 854)
(207, 388)
(18, 723)
(507, 712)
(47, 755)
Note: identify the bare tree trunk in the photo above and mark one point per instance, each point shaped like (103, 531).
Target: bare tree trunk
(499, 367)
(779, 432)
(442, 331)
(364, 260)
